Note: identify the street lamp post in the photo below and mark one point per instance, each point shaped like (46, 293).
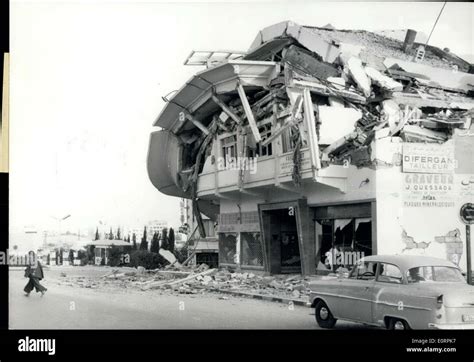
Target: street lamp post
(59, 219)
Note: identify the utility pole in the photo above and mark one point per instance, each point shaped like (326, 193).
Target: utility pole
(467, 216)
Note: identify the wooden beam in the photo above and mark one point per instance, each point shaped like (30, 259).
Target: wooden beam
(198, 124)
(5, 129)
(226, 109)
(248, 113)
(311, 129)
(277, 132)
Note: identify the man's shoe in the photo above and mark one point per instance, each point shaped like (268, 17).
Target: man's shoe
(27, 294)
(42, 293)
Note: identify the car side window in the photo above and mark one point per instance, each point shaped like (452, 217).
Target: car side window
(389, 273)
(364, 271)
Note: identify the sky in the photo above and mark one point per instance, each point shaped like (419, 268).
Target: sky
(87, 79)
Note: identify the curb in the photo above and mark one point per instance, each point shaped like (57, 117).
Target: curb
(269, 298)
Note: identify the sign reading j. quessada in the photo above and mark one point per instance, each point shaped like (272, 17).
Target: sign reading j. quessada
(428, 158)
(428, 190)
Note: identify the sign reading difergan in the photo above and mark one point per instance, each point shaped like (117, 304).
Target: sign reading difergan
(428, 158)
(428, 190)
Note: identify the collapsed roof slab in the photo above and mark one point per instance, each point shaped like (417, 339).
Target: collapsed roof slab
(449, 79)
(220, 79)
(303, 35)
(415, 100)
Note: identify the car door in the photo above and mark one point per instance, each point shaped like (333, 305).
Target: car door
(355, 293)
(387, 296)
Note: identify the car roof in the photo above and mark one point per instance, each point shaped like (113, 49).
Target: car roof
(406, 262)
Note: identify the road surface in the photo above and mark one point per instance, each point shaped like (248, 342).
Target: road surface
(72, 307)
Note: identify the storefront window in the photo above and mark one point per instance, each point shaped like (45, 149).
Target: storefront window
(341, 242)
(227, 248)
(252, 251)
(363, 236)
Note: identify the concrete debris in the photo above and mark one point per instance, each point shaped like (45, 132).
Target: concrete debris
(358, 74)
(168, 255)
(344, 118)
(414, 133)
(307, 63)
(383, 81)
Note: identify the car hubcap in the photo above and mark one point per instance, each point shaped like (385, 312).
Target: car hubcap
(324, 313)
(399, 325)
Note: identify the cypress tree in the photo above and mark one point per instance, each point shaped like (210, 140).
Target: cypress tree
(171, 240)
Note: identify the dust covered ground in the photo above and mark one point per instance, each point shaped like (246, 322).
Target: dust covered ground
(84, 297)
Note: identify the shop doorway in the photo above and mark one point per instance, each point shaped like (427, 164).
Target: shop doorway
(281, 234)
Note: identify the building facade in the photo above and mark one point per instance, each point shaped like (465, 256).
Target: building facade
(310, 143)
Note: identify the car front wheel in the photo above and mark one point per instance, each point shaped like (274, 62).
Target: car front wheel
(397, 324)
(324, 316)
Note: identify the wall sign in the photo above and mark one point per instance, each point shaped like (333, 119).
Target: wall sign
(428, 158)
(428, 190)
(286, 163)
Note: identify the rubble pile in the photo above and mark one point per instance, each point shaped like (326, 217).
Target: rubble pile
(350, 96)
(294, 286)
(194, 280)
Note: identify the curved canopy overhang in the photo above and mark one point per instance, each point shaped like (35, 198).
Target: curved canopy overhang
(164, 163)
(195, 97)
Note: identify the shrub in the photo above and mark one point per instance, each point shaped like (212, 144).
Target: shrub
(83, 257)
(90, 254)
(115, 256)
(147, 259)
(71, 257)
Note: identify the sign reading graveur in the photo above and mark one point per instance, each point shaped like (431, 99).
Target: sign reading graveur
(429, 175)
(428, 190)
(428, 158)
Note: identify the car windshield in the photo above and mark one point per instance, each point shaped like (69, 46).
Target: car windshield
(434, 274)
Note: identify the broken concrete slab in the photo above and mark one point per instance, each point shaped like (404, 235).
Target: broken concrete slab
(414, 133)
(392, 112)
(336, 122)
(168, 255)
(358, 74)
(382, 80)
(449, 79)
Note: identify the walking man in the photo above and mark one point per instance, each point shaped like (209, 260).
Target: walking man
(34, 271)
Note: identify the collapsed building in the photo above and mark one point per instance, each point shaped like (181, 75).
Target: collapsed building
(317, 138)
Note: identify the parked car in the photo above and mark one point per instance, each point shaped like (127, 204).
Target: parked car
(398, 292)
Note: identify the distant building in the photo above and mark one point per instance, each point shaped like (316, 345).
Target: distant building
(102, 249)
(205, 250)
(152, 227)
